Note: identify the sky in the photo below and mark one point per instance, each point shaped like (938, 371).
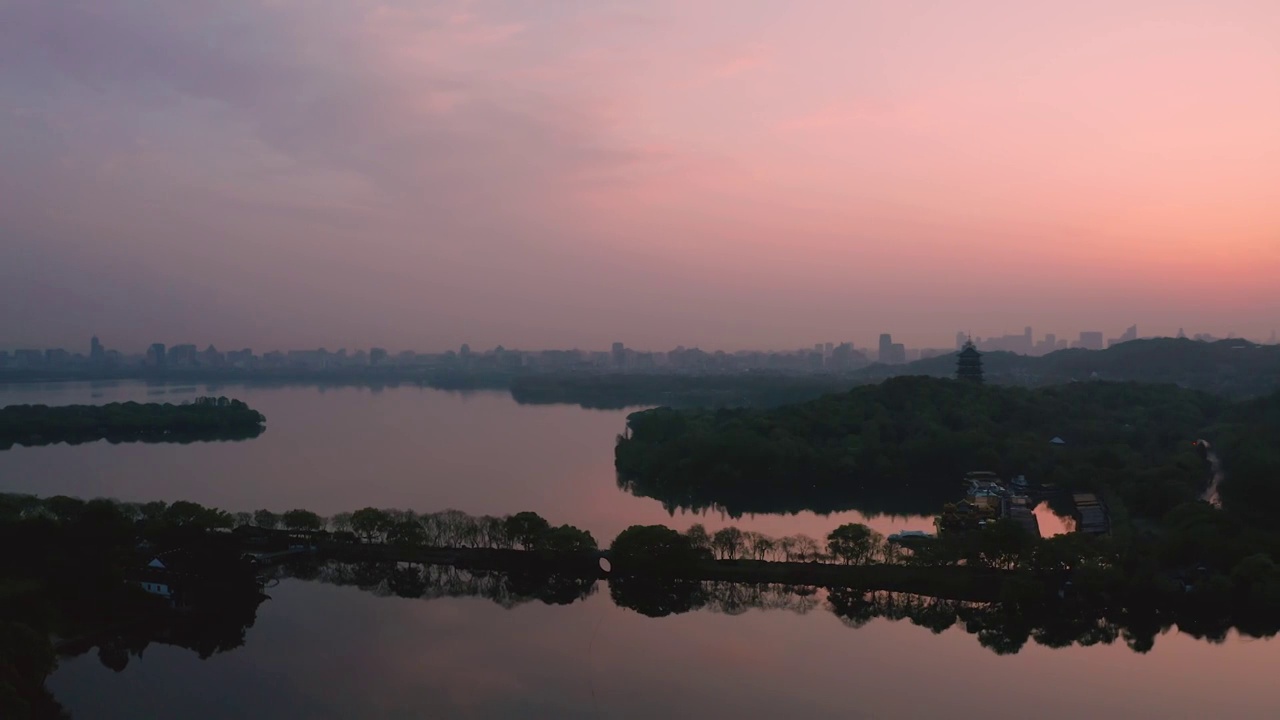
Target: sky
(568, 173)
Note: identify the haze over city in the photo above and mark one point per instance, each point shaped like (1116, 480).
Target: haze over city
(721, 174)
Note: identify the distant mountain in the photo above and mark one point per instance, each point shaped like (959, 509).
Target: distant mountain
(1234, 368)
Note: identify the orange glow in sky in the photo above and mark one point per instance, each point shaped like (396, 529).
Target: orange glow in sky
(719, 173)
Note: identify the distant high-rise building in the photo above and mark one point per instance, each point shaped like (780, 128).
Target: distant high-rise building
(886, 348)
(156, 355)
(1182, 335)
(97, 353)
(1129, 334)
(28, 358)
(1090, 340)
(211, 357)
(969, 364)
(185, 354)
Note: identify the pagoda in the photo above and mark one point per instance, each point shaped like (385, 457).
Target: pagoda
(969, 363)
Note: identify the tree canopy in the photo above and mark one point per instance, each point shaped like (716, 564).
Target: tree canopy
(902, 446)
(205, 418)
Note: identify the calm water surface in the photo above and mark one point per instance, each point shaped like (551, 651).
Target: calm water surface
(322, 651)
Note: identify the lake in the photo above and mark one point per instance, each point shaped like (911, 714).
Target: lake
(320, 650)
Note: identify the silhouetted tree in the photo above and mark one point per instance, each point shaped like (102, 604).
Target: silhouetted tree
(302, 520)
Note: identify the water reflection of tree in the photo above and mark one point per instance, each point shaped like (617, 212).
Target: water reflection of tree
(206, 631)
(412, 580)
(1003, 627)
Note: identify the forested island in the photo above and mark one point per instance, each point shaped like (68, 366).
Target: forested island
(204, 418)
(902, 446)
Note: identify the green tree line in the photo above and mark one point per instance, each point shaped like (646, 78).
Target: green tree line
(902, 446)
(202, 418)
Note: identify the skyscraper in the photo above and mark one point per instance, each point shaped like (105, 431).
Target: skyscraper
(156, 355)
(1090, 340)
(886, 348)
(97, 353)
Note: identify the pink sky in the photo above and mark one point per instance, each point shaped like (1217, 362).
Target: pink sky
(723, 173)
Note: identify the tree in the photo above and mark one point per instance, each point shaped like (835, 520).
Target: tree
(341, 522)
(406, 533)
(302, 520)
(761, 545)
(493, 532)
(1256, 582)
(656, 596)
(152, 510)
(407, 581)
(188, 514)
(854, 543)
(65, 509)
(526, 529)
(728, 542)
(266, 519)
(568, 539)
(998, 545)
(698, 537)
(806, 548)
(651, 547)
(787, 546)
(370, 524)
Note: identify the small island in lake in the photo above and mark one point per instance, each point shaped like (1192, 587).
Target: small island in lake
(203, 419)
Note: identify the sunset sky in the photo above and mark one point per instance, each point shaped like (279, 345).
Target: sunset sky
(566, 173)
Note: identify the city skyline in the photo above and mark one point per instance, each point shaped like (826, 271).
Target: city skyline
(712, 173)
(1024, 343)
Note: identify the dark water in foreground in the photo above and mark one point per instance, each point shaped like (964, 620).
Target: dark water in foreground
(323, 651)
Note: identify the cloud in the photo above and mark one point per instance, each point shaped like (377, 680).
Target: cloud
(395, 93)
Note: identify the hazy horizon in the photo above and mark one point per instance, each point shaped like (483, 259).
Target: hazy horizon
(871, 344)
(729, 175)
